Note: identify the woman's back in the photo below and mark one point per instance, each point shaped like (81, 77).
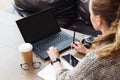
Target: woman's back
(92, 67)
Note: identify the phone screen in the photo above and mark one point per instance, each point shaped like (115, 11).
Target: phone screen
(70, 59)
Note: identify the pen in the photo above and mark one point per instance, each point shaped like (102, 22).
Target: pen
(74, 34)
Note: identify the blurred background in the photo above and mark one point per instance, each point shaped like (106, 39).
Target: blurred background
(5, 3)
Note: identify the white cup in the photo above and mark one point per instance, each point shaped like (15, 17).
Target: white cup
(26, 52)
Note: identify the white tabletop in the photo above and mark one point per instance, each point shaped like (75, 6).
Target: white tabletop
(10, 39)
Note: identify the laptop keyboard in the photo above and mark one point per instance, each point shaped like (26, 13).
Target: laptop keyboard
(52, 41)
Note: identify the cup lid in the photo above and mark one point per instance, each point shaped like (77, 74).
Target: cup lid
(25, 47)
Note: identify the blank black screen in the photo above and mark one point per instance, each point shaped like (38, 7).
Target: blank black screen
(38, 26)
(69, 57)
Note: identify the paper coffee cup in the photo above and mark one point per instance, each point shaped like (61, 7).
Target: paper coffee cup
(26, 52)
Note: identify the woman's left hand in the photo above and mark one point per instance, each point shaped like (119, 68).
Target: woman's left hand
(79, 47)
(53, 52)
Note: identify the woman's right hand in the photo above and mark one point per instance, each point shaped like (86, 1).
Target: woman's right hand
(53, 52)
(79, 47)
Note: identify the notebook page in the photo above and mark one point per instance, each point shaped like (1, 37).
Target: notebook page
(48, 73)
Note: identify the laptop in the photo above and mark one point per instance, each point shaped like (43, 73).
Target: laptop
(42, 31)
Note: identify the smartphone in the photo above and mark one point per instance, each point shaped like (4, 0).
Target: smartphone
(70, 59)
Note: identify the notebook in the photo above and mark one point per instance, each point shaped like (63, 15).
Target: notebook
(42, 31)
(48, 72)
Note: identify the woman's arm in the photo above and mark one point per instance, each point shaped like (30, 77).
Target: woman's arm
(53, 53)
(77, 72)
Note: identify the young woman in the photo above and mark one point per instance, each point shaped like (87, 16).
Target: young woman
(102, 61)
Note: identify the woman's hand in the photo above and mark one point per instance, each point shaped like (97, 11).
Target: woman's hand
(79, 47)
(53, 52)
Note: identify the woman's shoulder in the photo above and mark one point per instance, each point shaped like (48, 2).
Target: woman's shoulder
(111, 60)
(94, 57)
(93, 65)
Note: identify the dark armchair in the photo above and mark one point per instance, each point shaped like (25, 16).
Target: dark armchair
(68, 13)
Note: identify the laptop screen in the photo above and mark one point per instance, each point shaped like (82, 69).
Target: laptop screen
(38, 26)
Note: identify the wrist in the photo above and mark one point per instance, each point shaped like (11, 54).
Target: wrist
(55, 60)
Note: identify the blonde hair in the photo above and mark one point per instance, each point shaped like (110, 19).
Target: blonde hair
(112, 48)
(110, 11)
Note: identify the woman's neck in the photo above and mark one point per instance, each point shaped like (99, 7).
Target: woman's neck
(104, 28)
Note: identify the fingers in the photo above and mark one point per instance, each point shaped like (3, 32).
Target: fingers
(53, 48)
(53, 52)
(75, 45)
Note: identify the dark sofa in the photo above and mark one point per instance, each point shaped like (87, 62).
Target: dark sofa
(69, 13)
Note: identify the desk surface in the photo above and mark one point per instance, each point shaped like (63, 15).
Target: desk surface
(10, 39)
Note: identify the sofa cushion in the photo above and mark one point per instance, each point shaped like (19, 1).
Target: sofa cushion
(84, 28)
(64, 10)
(36, 5)
(83, 10)
(68, 13)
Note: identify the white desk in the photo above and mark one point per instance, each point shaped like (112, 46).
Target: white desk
(10, 39)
